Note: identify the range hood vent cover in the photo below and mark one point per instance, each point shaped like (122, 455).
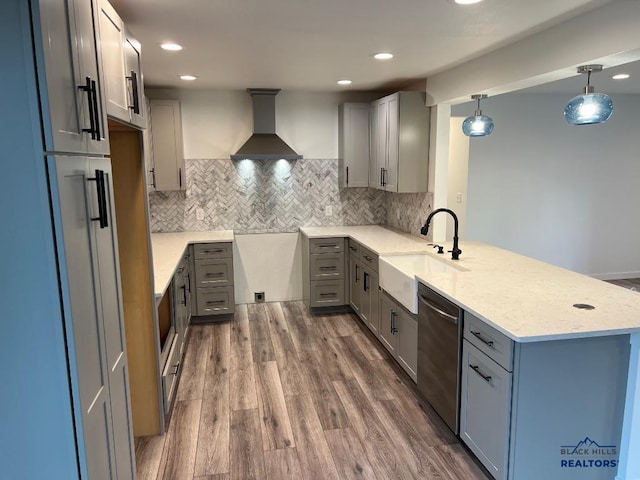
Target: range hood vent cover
(264, 144)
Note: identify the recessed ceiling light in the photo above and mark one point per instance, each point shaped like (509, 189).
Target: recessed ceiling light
(344, 82)
(188, 77)
(172, 47)
(621, 76)
(467, 2)
(383, 56)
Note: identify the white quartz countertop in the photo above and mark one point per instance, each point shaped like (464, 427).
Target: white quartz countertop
(382, 240)
(525, 299)
(168, 248)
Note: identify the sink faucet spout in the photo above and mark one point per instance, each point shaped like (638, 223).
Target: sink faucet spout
(455, 253)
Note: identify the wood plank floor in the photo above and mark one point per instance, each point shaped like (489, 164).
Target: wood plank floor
(279, 393)
(627, 283)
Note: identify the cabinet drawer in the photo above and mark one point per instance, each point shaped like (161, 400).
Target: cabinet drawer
(170, 373)
(487, 339)
(369, 258)
(326, 245)
(354, 247)
(213, 250)
(485, 409)
(214, 273)
(215, 301)
(326, 266)
(327, 293)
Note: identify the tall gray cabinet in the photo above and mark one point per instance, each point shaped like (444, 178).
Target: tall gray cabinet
(66, 103)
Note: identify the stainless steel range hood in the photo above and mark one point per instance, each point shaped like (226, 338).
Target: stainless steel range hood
(264, 144)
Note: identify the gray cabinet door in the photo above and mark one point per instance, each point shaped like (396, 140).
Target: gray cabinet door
(407, 352)
(485, 409)
(135, 86)
(93, 309)
(67, 56)
(106, 240)
(387, 321)
(73, 210)
(355, 280)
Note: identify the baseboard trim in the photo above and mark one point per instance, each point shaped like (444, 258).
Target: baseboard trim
(615, 276)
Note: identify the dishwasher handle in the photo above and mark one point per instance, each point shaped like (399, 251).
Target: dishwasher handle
(452, 318)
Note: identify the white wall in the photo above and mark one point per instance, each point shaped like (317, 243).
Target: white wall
(566, 195)
(215, 123)
(270, 263)
(457, 177)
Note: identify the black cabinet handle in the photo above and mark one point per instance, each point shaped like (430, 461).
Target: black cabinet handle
(357, 270)
(353, 249)
(365, 283)
(215, 302)
(153, 178)
(87, 88)
(180, 177)
(347, 175)
(134, 92)
(476, 368)
(328, 268)
(101, 190)
(184, 294)
(381, 178)
(189, 281)
(96, 110)
(478, 335)
(333, 294)
(367, 258)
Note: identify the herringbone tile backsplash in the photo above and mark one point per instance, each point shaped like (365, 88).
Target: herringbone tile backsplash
(277, 196)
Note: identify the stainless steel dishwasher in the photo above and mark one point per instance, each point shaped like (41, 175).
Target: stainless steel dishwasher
(439, 342)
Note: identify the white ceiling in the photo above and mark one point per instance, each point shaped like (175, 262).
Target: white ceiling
(310, 44)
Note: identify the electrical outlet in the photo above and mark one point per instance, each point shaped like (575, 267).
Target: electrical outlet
(258, 297)
(199, 214)
(328, 210)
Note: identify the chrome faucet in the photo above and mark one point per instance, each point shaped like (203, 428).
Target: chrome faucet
(455, 253)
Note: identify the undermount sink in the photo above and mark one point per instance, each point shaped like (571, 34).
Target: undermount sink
(398, 275)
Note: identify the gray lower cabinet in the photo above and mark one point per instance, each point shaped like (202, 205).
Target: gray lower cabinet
(549, 409)
(212, 279)
(485, 407)
(83, 210)
(324, 270)
(363, 285)
(399, 333)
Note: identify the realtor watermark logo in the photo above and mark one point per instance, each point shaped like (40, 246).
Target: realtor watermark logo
(588, 453)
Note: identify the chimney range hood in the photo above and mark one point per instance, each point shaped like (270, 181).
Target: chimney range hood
(264, 144)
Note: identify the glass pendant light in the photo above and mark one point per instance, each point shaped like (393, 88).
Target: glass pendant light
(477, 125)
(590, 107)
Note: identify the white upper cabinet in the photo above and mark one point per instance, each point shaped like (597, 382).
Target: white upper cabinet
(399, 131)
(121, 68)
(166, 145)
(68, 76)
(353, 145)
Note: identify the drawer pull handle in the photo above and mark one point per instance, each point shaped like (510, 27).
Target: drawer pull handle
(216, 274)
(327, 245)
(478, 335)
(217, 250)
(476, 368)
(215, 302)
(353, 249)
(328, 294)
(367, 258)
(176, 369)
(328, 268)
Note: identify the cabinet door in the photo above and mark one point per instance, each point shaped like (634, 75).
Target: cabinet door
(387, 322)
(355, 280)
(147, 147)
(373, 292)
(73, 210)
(112, 42)
(485, 409)
(106, 245)
(70, 89)
(392, 147)
(167, 145)
(382, 132)
(375, 175)
(135, 85)
(353, 145)
(407, 353)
